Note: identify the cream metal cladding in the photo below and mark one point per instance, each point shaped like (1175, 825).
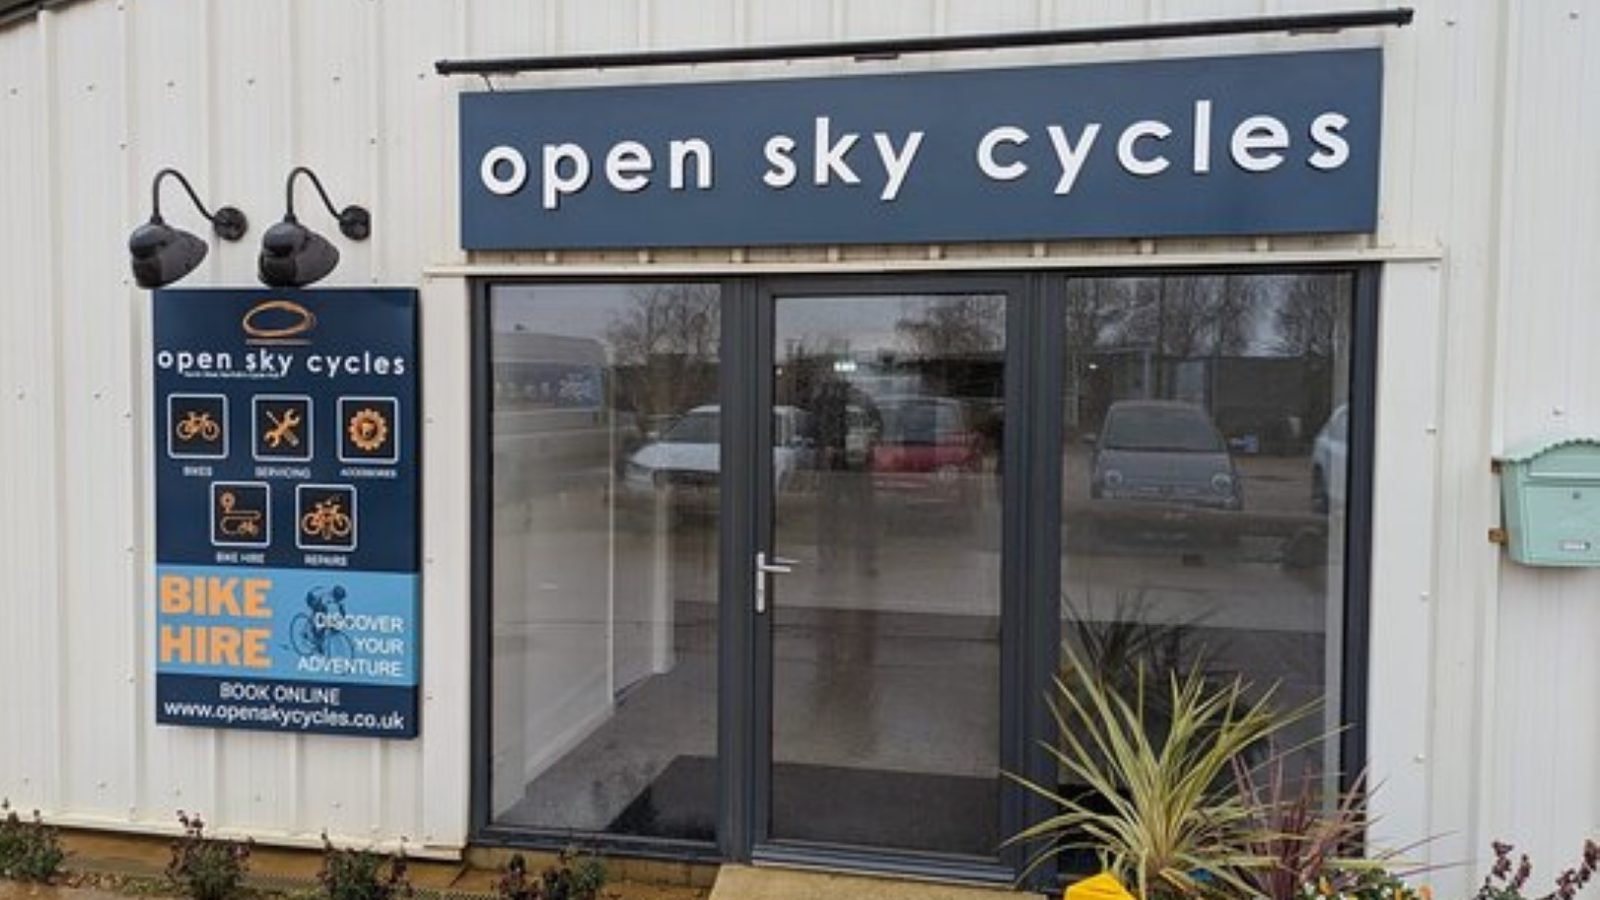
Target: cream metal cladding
(1483, 674)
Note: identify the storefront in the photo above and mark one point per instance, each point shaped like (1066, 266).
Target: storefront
(737, 441)
(961, 470)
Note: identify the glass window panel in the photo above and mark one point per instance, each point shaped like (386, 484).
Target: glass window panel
(887, 462)
(605, 432)
(1204, 482)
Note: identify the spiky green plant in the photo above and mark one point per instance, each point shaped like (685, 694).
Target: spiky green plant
(1159, 809)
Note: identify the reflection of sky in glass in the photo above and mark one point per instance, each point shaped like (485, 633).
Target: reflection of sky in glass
(865, 325)
(1268, 296)
(583, 311)
(568, 310)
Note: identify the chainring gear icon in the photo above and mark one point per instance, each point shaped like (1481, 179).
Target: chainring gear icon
(368, 429)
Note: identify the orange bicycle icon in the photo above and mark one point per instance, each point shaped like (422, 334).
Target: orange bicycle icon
(327, 521)
(237, 523)
(198, 423)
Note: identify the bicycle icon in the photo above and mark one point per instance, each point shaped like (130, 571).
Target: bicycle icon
(327, 521)
(327, 517)
(197, 426)
(198, 423)
(320, 631)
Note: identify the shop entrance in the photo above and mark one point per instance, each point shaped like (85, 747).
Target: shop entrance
(877, 596)
(782, 569)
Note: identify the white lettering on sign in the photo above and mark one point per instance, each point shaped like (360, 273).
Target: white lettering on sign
(1333, 150)
(1259, 143)
(830, 156)
(1005, 134)
(1127, 144)
(264, 362)
(896, 163)
(1202, 137)
(516, 176)
(681, 152)
(1259, 133)
(1071, 158)
(781, 171)
(628, 166)
(566, 168)
(557, 185)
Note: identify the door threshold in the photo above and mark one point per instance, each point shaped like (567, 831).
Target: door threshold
(907, 866)
(787, 881)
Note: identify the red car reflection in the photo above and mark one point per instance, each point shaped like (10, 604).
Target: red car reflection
(926, 448)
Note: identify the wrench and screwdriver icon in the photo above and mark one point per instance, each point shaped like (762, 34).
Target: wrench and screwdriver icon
(283, 429)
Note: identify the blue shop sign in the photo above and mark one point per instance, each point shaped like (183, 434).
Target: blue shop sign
(1237, 145)
(286, 510)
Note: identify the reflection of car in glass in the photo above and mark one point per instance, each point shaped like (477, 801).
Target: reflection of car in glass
(1329, 461)
(687, 454)
(1166, 451)
(925, 448)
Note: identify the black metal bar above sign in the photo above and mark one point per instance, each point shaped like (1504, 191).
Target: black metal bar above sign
(889, 48)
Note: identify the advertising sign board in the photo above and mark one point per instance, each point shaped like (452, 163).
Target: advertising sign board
(286, 510)
(1258, 144)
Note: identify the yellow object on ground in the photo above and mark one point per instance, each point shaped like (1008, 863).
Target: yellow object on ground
(1104, 886)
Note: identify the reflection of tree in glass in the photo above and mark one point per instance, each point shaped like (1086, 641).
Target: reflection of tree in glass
(1184, 318)
(1309, 319)
(664, 345)
(1093, 306)
(953, 326)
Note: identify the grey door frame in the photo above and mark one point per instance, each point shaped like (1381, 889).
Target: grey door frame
(750, 436)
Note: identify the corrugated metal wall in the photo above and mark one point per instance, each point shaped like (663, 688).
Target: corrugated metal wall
(1484, 675)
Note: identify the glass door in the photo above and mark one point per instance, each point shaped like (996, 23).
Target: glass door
(878, 585)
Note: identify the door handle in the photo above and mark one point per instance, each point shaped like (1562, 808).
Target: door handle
(777, 565)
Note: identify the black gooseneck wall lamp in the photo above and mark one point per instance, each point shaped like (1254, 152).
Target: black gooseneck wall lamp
(293, 255)
(163, 254)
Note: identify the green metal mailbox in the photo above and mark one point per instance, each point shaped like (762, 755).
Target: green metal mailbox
(1550, 501)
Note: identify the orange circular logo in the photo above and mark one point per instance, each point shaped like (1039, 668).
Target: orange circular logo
(278, 320)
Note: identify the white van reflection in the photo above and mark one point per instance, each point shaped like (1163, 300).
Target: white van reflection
(1329, 462)
(686, 458)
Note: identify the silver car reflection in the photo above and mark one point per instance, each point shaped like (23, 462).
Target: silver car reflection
(687, 455)
(1165, 451)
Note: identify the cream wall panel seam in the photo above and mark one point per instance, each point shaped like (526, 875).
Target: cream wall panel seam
(134, 711)
(53, 618)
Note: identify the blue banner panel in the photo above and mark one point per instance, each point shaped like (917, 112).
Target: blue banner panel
(293, 624)
(1237, 145)
(287, 502)
(261, 704)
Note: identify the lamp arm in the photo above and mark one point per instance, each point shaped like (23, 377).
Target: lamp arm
(315, 182)
(354, 221)
(229, 223)
(155, 194)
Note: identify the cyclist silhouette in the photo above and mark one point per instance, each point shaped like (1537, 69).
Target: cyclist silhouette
(320, 634)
